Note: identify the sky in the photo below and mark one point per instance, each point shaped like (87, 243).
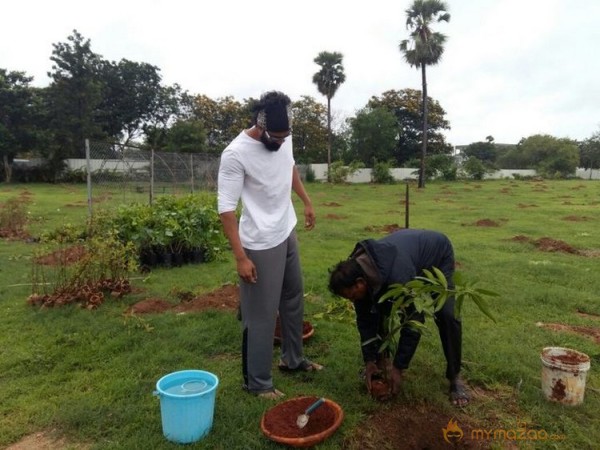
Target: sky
(510, 69)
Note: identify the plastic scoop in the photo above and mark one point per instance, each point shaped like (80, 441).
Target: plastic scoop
(302, 419)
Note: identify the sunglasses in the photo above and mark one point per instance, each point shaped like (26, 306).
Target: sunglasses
(277, 138)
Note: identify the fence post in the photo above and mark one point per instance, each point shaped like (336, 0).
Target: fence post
(89, 176)
(192, 170)
(406, 208)
(151, 194)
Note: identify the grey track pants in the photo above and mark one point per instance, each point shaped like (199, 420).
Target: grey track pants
(279, 288)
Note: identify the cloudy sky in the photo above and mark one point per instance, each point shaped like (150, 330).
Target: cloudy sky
(511, 69)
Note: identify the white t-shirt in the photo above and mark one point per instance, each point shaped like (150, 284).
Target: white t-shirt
(263, 181)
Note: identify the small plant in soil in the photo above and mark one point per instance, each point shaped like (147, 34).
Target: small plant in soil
(101, 268)
(424, 295)
(13, 218)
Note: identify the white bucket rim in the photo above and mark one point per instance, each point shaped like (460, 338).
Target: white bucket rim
(569, 366)
(191, 372)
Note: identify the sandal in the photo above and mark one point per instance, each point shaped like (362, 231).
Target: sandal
(305, 366)
(458, 393)
(271, 394)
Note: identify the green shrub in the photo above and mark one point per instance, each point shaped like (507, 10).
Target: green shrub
(382, 172)
(339, 173)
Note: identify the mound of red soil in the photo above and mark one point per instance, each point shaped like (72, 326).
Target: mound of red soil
(224, 298)
(414, 427)
(384, 228)
(546, 244)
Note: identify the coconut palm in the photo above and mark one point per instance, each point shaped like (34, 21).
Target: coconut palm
(328, 80)
(424, 48)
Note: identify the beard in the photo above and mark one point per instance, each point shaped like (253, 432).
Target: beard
(270, 145)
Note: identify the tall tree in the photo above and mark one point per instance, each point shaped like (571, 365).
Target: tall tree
(129, 94)
(328, 80)
(186, 136)
(75, 93)
(589, 153)
(223, 119)
(406, 106)
(373, 137)
(550, 156)
(16, 113)
(484, 151)
(165, 111)
(310, 130)
(424, 48)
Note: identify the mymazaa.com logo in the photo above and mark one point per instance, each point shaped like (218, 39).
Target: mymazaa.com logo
(453, 433)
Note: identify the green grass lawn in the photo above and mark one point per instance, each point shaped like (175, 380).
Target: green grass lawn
(89, 376)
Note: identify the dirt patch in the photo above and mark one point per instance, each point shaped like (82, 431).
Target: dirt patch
(520, 238)
(335, 217)
(224, 298)
(334, 204)
(45, 441)
(547, 244)
(413, 427)
(63, 256)
(524, 205)
(384, 228)
(588, 315)
(576, 218)
(486, 223)
(588, 332)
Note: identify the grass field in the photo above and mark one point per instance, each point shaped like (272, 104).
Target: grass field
(87, 377)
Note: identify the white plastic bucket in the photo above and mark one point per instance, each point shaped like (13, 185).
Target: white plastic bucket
(564, 372)
(187, 404)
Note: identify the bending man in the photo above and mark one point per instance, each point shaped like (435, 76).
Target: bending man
(367, 274)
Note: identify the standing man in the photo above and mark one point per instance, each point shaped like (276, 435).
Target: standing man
(258, 167)
(367, 274)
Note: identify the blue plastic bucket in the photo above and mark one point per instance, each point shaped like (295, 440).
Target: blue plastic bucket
(187, 404)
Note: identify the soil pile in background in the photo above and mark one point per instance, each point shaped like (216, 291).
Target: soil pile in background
(224, 298)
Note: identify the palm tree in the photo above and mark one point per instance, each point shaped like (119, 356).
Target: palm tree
(424, 48)
(328, 80)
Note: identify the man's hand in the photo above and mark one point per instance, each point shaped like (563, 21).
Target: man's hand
(396, 380)
(371, 370)
(247, 270)
(309, 217)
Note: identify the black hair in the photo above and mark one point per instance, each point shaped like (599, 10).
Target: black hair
(344, 275)
(270, 101)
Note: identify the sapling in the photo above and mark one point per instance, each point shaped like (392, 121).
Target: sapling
(424, 295)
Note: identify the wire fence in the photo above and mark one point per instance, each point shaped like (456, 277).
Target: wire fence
(128, 174)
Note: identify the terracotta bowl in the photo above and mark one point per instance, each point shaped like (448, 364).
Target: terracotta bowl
(307, 329)
(279, 422)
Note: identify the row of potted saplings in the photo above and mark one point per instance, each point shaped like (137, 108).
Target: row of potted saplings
(168, 257)
(172, 231)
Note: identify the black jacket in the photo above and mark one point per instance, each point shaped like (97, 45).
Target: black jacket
(398, 258)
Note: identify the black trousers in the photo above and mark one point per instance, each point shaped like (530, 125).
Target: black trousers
(450, 331)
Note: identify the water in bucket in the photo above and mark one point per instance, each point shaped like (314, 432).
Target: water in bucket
(187, 400)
